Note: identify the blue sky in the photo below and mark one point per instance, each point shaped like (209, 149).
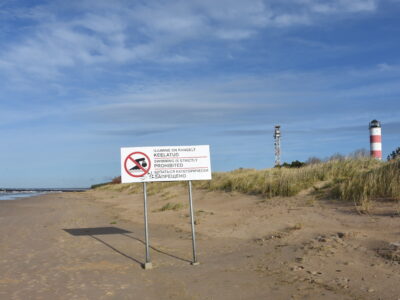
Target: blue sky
(80, 79)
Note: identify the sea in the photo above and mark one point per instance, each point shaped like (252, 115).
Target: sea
(14, 194)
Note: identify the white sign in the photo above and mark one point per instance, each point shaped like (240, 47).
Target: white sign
(165, 163)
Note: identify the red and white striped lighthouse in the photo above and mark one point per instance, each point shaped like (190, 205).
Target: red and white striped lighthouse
(375, 134)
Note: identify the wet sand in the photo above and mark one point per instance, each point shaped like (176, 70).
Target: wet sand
(89, 245)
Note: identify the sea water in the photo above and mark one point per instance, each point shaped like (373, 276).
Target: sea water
(13, 195)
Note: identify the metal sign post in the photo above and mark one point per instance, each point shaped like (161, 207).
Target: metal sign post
(194, 262)
(147, 265)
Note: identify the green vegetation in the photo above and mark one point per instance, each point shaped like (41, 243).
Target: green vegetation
(116, 180)
(395, 154)
(293, 164)
(378, 183)
(357, 179)
(134, 188)
(286, 181)
(171, 206)
(95, 186)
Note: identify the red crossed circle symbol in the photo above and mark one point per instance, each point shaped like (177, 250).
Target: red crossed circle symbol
(130, 158)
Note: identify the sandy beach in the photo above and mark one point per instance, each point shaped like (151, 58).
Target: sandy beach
(89, 245)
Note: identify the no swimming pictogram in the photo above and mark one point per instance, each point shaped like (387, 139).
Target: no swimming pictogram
(137, 164)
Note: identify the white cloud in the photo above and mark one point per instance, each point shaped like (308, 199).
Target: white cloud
(99, 33)
(327, 98)
(285, 20)
(346, 6)
(338, 6)
(385, 67)
(234, 34)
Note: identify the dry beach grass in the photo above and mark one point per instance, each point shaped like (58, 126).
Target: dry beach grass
(359, 181)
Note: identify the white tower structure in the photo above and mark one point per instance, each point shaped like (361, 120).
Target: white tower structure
(375, 134)
(277, 137)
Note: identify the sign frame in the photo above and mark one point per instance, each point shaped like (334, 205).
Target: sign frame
(166, 163)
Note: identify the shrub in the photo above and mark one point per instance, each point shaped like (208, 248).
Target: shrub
(294, 164)
(313, 160)
(395, 154)
(116, 180)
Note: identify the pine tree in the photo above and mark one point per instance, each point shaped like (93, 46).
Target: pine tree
(395, 154)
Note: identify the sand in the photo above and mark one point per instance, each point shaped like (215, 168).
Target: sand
(89, 245)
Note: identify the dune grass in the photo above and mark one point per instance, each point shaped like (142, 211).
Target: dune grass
(284, 181)
(374, 184)
(358, 180)
(134, 188)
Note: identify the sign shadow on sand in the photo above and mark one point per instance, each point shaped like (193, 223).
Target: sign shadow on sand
(94, 232)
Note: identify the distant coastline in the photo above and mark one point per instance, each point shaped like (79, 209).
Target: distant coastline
(21, 193)
(43, 189)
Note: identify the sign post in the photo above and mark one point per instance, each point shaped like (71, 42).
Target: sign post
(166, 163)
(194, 262)
(147, 265)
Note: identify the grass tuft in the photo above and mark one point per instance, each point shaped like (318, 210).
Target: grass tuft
(171, 206)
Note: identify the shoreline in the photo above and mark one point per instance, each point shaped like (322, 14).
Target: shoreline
(23, 194)
(44, 189)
